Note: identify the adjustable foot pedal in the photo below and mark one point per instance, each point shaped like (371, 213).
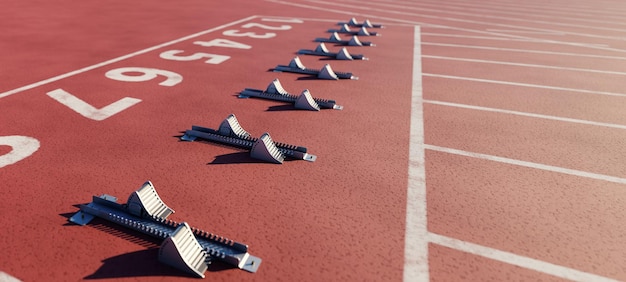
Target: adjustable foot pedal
(354, 41)
(321, 50)
(345, 29)
(260, 148)
(352, 22)
(276, 92)
(181, 250)
(296, 66)
(185, 248)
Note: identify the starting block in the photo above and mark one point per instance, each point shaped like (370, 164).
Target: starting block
(353, 22)
(304, 101)
(263, 148)
(183, 247)
(296, 66)
(354, 41)
(345, 29)
(321, 50)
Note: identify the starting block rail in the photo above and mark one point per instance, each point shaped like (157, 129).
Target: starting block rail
(345, 29)
(191, 254)
(296, 66)
(353, 22)
(262, 148)
(322, 50)
(304, 101)
(354, 41)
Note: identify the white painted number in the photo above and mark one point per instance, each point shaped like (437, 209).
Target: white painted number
(90, 111)
(145, 74)
(251, 25)
(235, 33)
(213, 59)
(21, 147)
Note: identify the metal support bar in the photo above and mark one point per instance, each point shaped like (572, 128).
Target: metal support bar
(213, 247)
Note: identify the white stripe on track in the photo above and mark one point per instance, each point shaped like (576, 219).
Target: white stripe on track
(523, 65)
(551, 168)
(515, 259)
(4, 277)
(530, 51)
(121, 58)
(525, 85)
(415, 242)
(526, 114)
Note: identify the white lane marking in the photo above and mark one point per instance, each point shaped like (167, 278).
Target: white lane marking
(415, 242)
(523, 51)
(353, 14)
(89, 111)
(480, 37)
(4, 277)
(425, 24)
(535, 9)
(518, 260)
(466, 21)
(21, 147)
(525, 85)
(523, 65)
(465, 13)
(281, 19)
(551, 168)
(526, 31)
(526, 114)
(522, 39)
(509, 14)
(121, 58)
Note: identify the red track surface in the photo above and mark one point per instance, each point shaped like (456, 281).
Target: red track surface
(522, 119)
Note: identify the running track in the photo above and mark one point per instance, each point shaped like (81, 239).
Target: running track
(482, 142)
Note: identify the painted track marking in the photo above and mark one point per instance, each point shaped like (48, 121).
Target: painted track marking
(525, 84)
(507, 18)
(121, 58)
(4, 277)
(425, 24)
(415, 242)
(464, 21)
(526, 114)
(515, 259)
(21, 148)
(524, 51)
(89, 111)
(522, 65)
(571, 273)
(563, 170)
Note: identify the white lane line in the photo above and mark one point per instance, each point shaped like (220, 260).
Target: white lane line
(4, 277)
(526, 114)
(466, 21)
(523, 51)
(525, 15)
(415, 242)
(353, 14)
(523, 65)
(480, 37)
(526, 31)
(465, 13)
(506, 37)
(525, 85)
(121, 58)
(533, 9)
(518, 260)
(425, 24)
(551, 168)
